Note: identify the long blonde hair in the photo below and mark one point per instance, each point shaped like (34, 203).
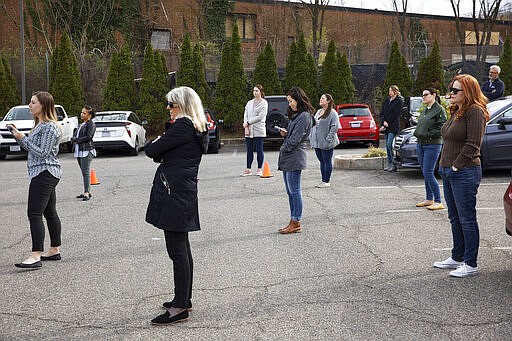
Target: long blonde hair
(190, 105)
(48, 113)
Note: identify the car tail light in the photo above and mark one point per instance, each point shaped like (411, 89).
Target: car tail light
(210, 122)
(372, 124)
(127, 126)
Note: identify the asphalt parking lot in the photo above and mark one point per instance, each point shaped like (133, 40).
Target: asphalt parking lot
(360, 270)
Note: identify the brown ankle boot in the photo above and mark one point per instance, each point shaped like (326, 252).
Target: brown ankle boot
(284, 228)
(294, 227)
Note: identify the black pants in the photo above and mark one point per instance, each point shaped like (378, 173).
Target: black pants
(41, 201)
(178, 249)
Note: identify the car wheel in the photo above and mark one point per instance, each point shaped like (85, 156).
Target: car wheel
(69, 147)
(135, 150)
(2, 157)
(213, 147)
(376, 144)
(276, 118)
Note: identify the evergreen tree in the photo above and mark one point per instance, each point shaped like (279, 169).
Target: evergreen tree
(306, 71)
(65, 83)
(231, 94)
(330, 78)
(185, 76)
(201, 86)
(431, 72)
(397, 71)
(345, 74)
(152, 103)
(120, 88)
(505, 64)
(161, 75)
(290, 75)
(265, 72)
(8, 87)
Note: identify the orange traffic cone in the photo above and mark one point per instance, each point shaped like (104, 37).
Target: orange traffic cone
(266, 171)
(94, 178)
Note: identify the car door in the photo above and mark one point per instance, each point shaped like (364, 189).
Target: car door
(497, 143)
(141, 132)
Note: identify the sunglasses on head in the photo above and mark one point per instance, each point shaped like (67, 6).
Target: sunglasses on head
(455, 90)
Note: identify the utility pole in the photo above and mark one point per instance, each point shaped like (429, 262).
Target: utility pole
(22, 42)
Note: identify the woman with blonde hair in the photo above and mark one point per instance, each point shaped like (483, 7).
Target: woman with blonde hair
(173, 205)
(45, 172)
(461, 172)
(390, 122)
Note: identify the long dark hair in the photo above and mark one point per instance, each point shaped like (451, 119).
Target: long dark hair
(434, 92)
(303, 102)
(330, 105)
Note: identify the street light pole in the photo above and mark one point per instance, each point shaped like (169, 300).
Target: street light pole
(22, 42)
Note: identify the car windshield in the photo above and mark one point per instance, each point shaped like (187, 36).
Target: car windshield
(415, 103)
(344, 112)
(16, 114)
(111, 117)
(277, 104)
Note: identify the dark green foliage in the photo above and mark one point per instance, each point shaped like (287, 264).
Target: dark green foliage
(152, 100)
(185, 76)
(231, 94)
(431, 72)
(200, 84)
(215, 13)
(398, 72)
(265, 72)
(120, 88)
(65, 81)
(290, 75)
(8, 87)
(505, 64)
(330, 78)
(345, 74)
(305, 70)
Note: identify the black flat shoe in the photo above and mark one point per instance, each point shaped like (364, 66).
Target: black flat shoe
(166, 318)
(169, 305)
(35, 265)
(80, 196)
(52, 257)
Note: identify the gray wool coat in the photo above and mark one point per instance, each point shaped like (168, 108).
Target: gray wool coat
(292, 154)
(324, 135)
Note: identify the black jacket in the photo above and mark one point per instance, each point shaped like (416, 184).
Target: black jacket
(390, 113)
(85, 135)
(173, 200)
(493, 90)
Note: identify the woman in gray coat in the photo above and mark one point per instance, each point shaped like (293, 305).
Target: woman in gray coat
(254, 125)
(292, 154)
(324, 137)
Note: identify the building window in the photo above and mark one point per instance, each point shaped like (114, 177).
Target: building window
(246, 26)
(160, 39)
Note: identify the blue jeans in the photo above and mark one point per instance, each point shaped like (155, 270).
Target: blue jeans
(292, 184)
(254, 144)
(388, 136)
(85, 167)
(460, 189)
(427, 158)
(325, 158)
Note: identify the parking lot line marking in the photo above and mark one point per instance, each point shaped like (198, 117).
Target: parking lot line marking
(420, 209)
(481, 247)
(422, 186)
(502, 248)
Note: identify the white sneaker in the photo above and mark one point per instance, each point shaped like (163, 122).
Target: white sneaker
(323, 185)
(448, 263)
(246, 172)
(464, 270)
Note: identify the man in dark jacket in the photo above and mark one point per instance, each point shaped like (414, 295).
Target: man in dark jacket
(494, 88)
(389, 122)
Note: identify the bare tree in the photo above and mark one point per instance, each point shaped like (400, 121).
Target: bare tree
(400, 8)
(316, 10)
(461, 34)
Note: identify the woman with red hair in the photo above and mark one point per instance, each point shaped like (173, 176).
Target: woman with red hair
(461, 172)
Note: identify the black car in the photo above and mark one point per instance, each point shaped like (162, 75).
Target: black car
(496, 146)
(276, 116)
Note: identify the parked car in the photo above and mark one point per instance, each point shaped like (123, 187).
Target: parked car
(213, 131)
(410, 111)
(21, 117)
(276, 116)
(119, 130)
(357, 124)
(496, 146)
(507, 205)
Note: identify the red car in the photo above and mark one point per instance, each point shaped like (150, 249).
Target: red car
(357, 124)
(507, 205)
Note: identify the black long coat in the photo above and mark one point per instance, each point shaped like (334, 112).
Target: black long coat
(390, 113)
(173, 200)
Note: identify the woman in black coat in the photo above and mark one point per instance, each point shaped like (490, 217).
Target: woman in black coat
(173, 201)
(84, 148)
(390, 122)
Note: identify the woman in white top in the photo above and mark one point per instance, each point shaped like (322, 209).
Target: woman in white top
(254, 125)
